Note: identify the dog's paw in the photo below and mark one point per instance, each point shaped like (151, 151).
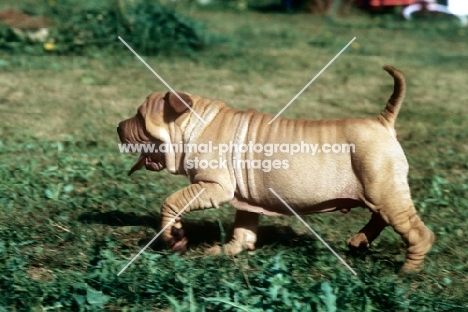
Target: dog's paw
(178, 241)
(213, 251)
(358, 242)
(231, 249)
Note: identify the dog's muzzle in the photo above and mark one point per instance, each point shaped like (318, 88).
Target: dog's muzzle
(151, 161)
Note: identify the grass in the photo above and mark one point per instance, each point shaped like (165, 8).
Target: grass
(71, 219)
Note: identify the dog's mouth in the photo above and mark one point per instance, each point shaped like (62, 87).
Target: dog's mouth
(153, 162)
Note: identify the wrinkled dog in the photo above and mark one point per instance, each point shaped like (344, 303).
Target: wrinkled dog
(373, 174)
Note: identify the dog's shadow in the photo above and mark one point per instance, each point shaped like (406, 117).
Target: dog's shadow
(199, 233)
(204, 234)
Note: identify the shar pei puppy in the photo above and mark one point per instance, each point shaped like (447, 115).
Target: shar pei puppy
(242, 158)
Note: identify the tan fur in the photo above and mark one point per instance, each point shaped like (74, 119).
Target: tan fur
(374, 176)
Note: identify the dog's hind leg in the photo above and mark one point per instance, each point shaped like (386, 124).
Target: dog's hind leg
(363, 239)
(396, 209)
(416, 235)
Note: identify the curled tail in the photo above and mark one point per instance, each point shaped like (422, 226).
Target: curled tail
(389, 114)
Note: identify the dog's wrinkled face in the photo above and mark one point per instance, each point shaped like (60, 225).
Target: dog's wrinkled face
(149, 126)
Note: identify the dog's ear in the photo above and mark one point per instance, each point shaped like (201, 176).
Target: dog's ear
(175, 101)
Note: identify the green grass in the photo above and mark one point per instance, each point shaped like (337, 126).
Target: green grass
(71, 218)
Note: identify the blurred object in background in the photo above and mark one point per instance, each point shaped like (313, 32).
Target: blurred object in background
(68, 28)
(382, 5)
(459, 8)
(321, 7)
(34, 28)
(276, 5)
(329, 6)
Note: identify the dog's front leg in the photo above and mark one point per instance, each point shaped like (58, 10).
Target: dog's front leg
(244, 236)
(210, 195)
